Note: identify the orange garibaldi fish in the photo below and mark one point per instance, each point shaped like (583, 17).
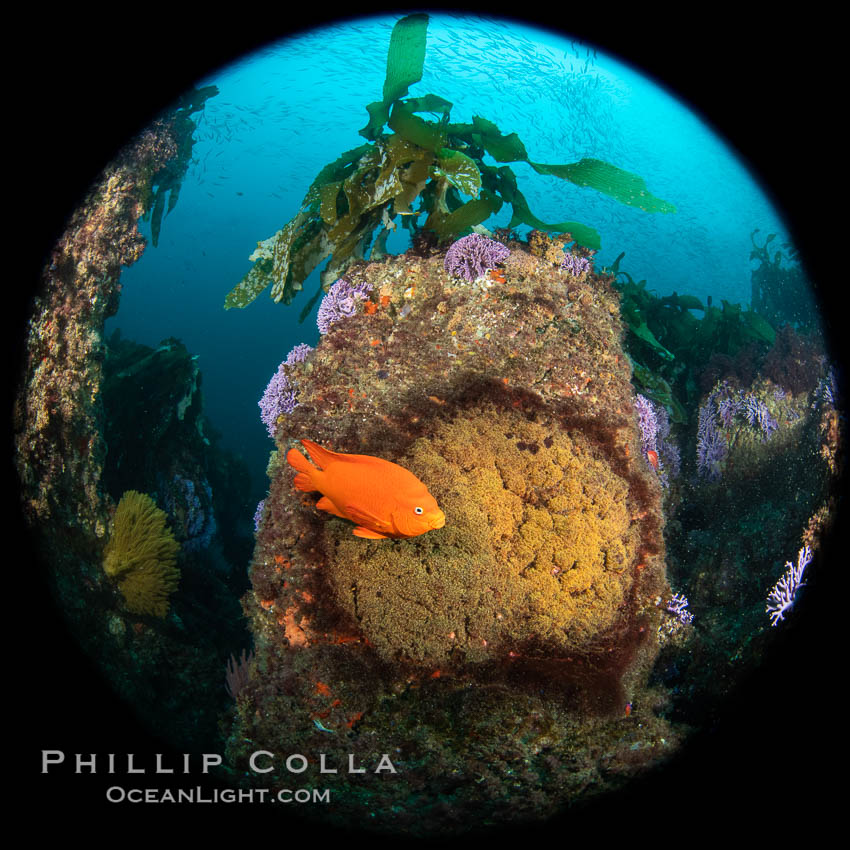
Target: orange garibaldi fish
(383, 498)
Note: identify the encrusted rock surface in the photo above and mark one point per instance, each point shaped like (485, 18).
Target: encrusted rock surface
(533, 612)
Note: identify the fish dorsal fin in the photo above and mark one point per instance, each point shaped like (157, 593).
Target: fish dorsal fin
(321, 457)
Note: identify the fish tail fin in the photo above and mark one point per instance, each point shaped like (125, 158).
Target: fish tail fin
(303, 480)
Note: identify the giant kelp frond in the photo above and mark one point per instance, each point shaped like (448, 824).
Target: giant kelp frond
(353, 200)
(405, 60)
(336, 219)
(340, 211)
(623, 186)
(141, 554)
(168, 178)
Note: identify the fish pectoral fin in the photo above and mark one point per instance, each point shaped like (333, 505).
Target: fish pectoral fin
(360, 531)
(325, 504)
(364, 517)
(303, 482)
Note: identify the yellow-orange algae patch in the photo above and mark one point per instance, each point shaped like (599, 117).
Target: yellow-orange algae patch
(536, 550)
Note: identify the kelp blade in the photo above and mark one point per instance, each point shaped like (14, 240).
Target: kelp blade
(406, 56)
(590, 173)
(258, 278)
(460, 170)
(405, 60)
(446, 225)
(623, 186)
(412, 128)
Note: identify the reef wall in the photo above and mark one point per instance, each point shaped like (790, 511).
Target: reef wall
(72, 429)
(540, 599)
(58, 414)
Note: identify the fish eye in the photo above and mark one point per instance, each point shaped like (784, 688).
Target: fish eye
(418, 511)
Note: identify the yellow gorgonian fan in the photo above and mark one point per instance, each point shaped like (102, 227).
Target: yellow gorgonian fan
(141, 554)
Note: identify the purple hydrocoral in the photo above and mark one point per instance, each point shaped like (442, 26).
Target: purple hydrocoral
(723, 406)
(258, 514)
(574, 264)
(298, 354)
(758, 415)
(711, 448)
(340, 302)
(727, 409)
(648, 423)
(677, 605)
(827, 388)
(781, 597)
(279, 396)
(472, 256)
(654, 424)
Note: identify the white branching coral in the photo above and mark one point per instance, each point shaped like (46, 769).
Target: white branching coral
(781, 598)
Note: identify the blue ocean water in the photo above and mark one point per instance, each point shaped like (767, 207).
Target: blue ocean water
(287, 110)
